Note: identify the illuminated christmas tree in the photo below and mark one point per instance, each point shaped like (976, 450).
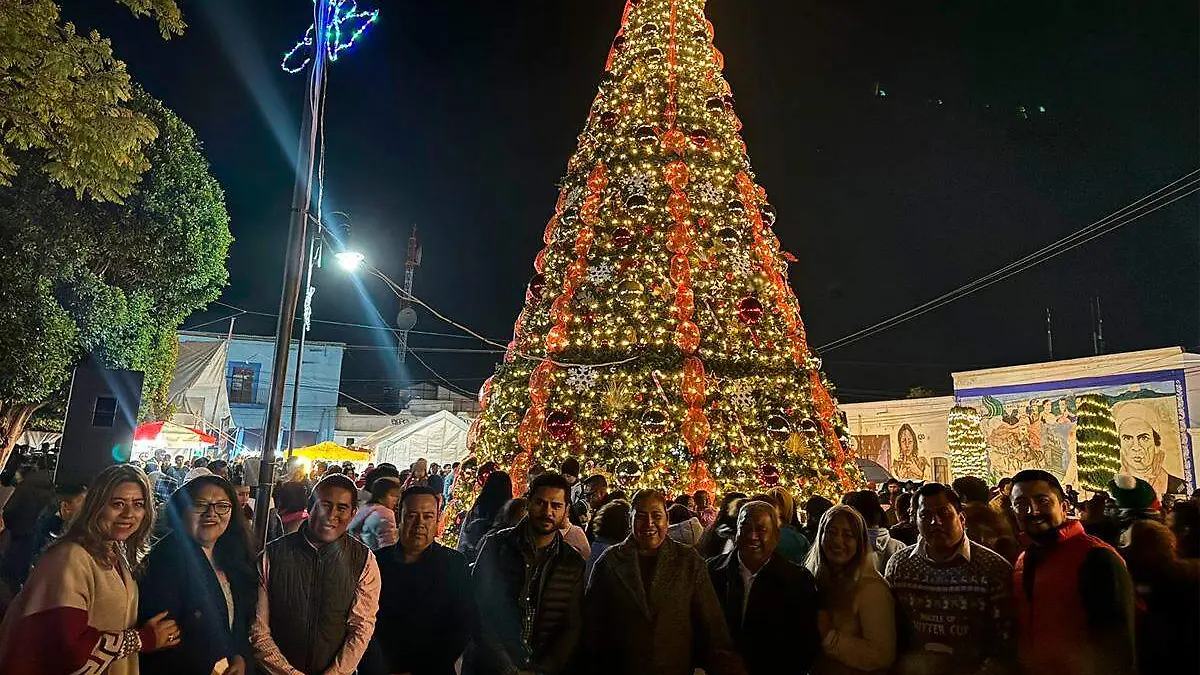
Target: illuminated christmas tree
(660, 343)
(1097, 447)
(968, 447)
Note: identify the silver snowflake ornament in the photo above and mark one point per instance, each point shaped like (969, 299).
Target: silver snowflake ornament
(575, 196)
(600, 274)
(708, 193)
(581, 378)
(741, 266)
(637, 184)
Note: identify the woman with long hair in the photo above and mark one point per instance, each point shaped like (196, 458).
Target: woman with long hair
(496, 492)
(375, 522)
(203, 573)
(718, 538)
(857, 618)
(78, 611)
(609, 528)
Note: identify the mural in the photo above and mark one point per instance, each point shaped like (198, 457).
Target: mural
(1033, 426)
(909, 448)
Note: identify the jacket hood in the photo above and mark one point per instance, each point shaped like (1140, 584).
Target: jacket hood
(880, 537)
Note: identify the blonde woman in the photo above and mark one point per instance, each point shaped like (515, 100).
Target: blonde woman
(78, 611)
(857, 620)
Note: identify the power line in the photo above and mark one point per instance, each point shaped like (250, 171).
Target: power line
(1097, 229)
(344, 324)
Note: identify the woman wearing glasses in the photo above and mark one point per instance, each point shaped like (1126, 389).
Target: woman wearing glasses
(203, 574)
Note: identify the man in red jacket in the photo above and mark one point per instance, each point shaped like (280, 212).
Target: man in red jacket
(1074, 596)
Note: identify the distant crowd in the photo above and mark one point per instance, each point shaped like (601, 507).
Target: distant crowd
(153, 569)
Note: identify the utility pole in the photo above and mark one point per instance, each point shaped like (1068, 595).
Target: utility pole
(293, 265)
(1049, 336)
(1097, 327)
(406, 318)
(314, 252)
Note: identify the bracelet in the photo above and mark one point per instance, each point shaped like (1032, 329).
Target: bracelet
(131, 643)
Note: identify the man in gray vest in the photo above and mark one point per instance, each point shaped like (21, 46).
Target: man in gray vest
(319, 592)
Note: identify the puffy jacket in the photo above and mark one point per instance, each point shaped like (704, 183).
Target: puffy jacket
(375, 526)
(502, 574)
(885, 547)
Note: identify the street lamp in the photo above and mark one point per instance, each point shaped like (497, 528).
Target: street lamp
(348, 260)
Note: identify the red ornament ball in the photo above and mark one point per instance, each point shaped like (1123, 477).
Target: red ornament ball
(560, 424)
(608, 428)
(536, 286)
(750, 310)
(622, 237)
(768, 474)
(608, 120)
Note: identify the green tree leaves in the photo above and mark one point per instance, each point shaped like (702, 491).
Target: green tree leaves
(64, 95)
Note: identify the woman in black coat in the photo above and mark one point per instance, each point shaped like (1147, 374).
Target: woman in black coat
(202, 575)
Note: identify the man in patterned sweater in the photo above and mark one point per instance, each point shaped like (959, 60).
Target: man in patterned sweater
(954, 594)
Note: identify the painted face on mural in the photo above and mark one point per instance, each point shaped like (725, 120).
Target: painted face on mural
(1140, 445)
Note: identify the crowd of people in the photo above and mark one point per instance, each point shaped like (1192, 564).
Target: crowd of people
(576, 575)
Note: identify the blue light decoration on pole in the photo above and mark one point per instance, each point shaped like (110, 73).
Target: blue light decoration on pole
(345, 24)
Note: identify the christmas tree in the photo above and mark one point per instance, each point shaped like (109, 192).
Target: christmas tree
(660, 343)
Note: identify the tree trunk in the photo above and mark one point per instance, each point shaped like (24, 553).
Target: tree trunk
(13, 418)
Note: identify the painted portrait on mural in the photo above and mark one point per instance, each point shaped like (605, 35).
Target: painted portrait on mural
(908, 464)
(1150, 448)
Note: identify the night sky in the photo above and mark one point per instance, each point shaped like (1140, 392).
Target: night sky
(460, 115)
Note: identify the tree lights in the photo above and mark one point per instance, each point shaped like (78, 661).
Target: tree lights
(1098, 449)
(662, 279)
(968, 448)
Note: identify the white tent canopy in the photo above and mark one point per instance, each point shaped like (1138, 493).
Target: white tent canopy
(440, 438)
(198, 386)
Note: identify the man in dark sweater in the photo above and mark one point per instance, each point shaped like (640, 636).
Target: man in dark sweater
(1074, 596)
(954, 594)
(425, 603)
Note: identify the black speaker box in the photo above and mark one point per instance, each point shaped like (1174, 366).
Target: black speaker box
(101, 416)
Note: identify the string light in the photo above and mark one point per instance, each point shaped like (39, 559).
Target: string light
(967, 445)
(345, 25)
(1098, 448)
(687, 291)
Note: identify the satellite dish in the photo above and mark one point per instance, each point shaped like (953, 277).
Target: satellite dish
(406, 318)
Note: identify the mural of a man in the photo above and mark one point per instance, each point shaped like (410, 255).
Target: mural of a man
(1142, 452)
(908, 464)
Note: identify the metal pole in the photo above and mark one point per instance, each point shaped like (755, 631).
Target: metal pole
(308, 272)
(292, 266)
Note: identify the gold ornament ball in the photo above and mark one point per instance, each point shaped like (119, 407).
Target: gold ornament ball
(654, 421)
(630, 290)
(778, 427)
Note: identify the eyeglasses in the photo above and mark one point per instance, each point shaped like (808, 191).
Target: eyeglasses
(219, 508)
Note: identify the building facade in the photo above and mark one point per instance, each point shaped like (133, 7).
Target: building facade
(248, 381)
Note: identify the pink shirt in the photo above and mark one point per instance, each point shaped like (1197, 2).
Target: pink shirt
(361, 626)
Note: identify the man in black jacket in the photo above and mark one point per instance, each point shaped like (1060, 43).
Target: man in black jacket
(425, 607)
(529, 589)
(770, 604)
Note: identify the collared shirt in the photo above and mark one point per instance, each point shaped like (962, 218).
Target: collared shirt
(921, 551)
(361, 624)
(528, 601)
(748, 578)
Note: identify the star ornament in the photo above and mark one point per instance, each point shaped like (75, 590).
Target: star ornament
(344, 25)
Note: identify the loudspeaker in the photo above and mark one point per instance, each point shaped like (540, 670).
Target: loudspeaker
(101, 416)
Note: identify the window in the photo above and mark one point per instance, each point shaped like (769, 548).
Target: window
(243, 382)
(105, 412)
(941, 470)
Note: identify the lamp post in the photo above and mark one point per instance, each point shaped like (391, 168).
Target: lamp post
(349, 260)
(336, 25)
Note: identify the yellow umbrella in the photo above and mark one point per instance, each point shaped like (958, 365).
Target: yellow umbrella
(331, 452)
